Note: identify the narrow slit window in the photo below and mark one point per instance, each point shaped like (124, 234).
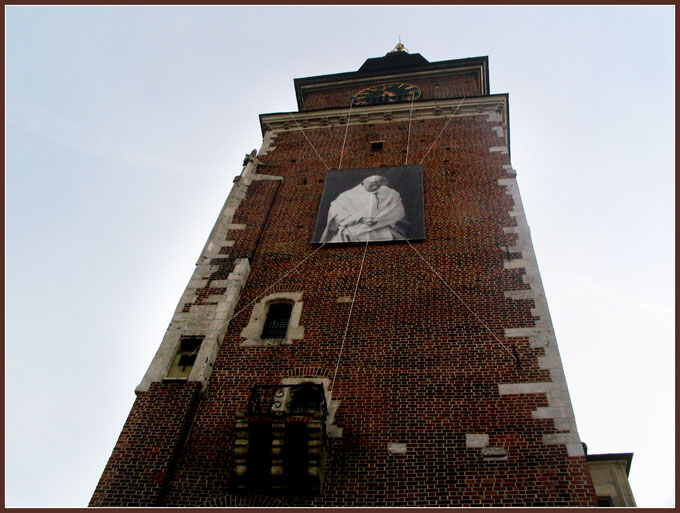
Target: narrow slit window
(276, 323)
(185, 357)
(377, 146)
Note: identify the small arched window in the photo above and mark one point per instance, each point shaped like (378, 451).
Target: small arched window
(276, 322)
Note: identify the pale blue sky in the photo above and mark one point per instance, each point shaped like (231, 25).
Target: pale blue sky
(126, 125)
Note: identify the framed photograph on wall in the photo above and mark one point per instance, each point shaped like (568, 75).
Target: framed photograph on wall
(371, 204)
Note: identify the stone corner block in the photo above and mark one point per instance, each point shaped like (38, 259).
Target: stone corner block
(396, 448)
(476, 440)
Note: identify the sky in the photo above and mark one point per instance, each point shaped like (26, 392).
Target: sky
(126, 125)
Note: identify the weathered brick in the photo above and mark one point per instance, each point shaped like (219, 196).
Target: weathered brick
(418, 369)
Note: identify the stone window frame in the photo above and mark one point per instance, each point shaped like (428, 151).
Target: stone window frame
(332, 430)
(171, 373)
(253, 330)
(309, 380)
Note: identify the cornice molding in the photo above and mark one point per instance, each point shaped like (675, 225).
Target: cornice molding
(386, 113)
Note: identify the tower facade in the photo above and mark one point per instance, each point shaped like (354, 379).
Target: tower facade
(366, 325)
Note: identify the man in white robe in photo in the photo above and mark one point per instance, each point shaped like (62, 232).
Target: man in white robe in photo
(369, 211)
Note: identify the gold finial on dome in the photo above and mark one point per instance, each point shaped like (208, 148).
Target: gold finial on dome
(400, 47)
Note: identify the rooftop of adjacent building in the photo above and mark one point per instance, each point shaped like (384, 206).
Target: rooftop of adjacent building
(610, 478)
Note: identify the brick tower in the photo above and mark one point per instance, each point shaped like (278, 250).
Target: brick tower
(366, 325)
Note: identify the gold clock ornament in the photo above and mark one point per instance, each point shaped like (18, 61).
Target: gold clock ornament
(387, 93)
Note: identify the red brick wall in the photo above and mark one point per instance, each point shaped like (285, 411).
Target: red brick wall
(417, 367)
(142, 461)
(253, 212)
(461, 84)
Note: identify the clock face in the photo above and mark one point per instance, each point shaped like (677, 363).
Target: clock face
(387, 93)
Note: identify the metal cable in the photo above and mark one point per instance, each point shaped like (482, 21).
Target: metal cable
(410, 115)
(346, 130)
(464, 303)
(442, 130)
(349, 317)
(310, 142)
(270, 286)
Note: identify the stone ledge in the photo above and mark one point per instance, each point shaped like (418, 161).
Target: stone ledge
(386, 113)
(257, 177)
(494, 454)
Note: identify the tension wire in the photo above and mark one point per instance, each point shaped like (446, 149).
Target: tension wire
(273, 284)
(410, 115)
(444, 128)
(310, 142)
(342, 151)
(516, 358)
(349, 316)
